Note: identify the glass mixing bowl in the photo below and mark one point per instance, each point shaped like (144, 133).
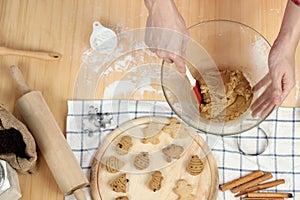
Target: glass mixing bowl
(213, 46)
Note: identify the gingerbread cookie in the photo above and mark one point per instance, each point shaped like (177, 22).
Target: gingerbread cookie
(142, 161)
(195, 166)
(172, 128)
(122, 198)
(113, 164)
(119, 183)
(156, 180)
(172, 151)
(124, 145)
(152, 133)
(184, 190)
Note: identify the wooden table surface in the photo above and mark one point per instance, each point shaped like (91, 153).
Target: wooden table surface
(65, 27)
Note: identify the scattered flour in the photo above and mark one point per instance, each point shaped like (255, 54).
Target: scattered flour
(119, 88)
(138, 66)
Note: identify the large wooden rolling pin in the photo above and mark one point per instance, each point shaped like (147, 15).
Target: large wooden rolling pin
(50, 139)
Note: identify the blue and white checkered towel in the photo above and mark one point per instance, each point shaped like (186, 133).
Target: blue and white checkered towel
(88, 122)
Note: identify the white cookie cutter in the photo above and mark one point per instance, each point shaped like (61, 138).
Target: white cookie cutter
(103, 40)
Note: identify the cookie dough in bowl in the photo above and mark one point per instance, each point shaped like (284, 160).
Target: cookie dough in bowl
(228, 59)
(237, 98)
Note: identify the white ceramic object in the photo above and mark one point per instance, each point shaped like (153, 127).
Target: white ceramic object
(10, 188)
(103, 40)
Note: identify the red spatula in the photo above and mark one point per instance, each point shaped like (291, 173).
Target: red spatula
(194, 83)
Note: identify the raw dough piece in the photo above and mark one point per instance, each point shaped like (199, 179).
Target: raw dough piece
(142, 161)
(156, 180)
(184, 190)
(172, 151)
(195, 166)
(119, 183)
(224, 100)
(113, 164)
(124, 145)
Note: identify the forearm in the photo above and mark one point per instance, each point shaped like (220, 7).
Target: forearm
(163, 4)
(169, 37)
(166, 9)
(290, 28)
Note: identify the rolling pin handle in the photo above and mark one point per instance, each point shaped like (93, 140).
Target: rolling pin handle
(19, 79)
(79, 194)
(54, 56)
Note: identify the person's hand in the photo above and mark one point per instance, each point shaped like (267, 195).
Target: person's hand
(166, 32)
(282, 76)
(281, 64)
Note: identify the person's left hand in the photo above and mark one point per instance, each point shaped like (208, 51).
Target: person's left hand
(166, 32)
(282, 76)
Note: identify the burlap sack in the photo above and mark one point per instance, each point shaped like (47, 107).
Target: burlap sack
(17, 145)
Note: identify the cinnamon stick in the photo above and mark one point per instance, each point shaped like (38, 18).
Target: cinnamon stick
(270, 194)
(252, 183)
(241, 180)
(261, 187)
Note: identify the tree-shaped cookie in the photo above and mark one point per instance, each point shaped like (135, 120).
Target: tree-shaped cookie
(119, 183)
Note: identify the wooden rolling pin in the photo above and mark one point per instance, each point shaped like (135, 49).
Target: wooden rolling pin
(44, 55)
(50, 139)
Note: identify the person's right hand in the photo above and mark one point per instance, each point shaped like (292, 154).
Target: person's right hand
(281, 64)
(282, 77)
(166, 32)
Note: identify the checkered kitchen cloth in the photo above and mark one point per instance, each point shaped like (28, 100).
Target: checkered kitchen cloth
(89, 121)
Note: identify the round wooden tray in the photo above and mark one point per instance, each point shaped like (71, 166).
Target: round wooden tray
(205, 185)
